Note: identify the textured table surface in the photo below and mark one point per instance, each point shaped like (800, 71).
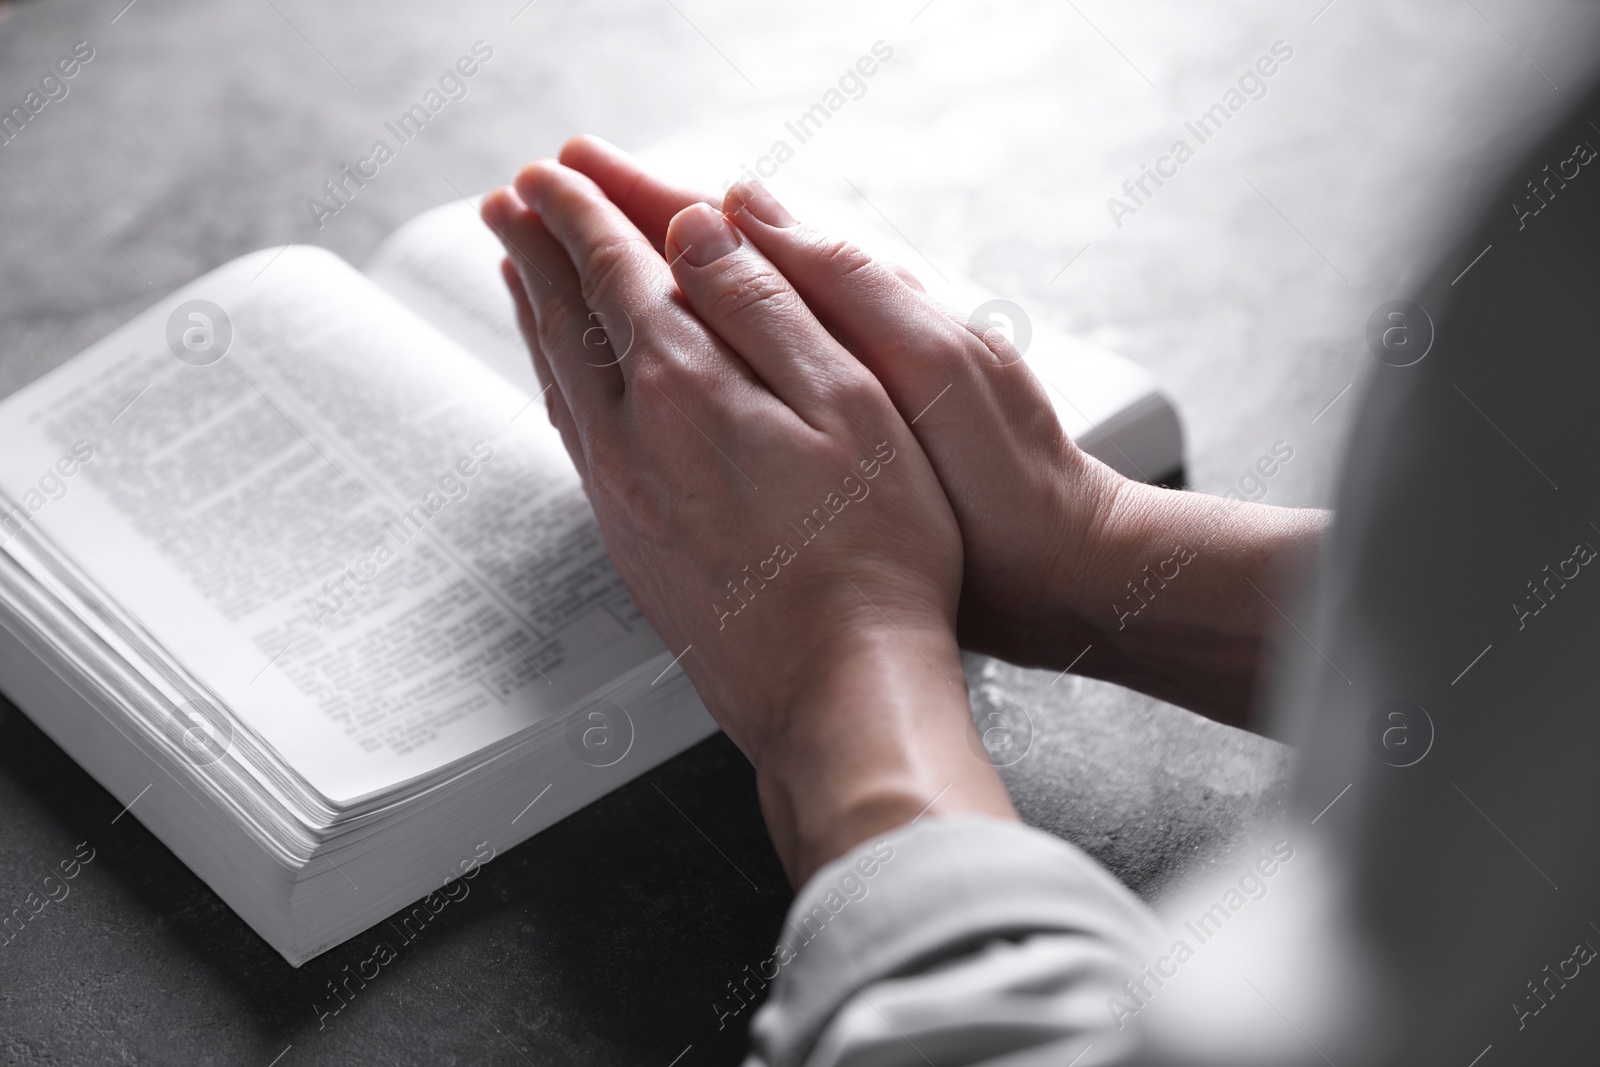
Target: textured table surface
(992, 141)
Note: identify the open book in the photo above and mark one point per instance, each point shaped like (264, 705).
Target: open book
(293, 565)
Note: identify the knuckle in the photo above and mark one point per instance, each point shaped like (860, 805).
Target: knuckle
(605, 269)
(656, 376)
(850, 390)
(636, 502)
(955, 342)
(991, 345)
(647, 391)
(663, 388)
(664, 372)
(840, 256)
(762, 293)
(908, 350)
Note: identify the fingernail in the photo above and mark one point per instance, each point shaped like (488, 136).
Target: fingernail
(763, 205)
(495, 212)
(531, 181)
(703, 236)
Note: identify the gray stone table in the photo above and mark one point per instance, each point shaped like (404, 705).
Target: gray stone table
(993, 141)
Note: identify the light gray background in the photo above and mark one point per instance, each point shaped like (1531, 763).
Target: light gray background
(992, 141)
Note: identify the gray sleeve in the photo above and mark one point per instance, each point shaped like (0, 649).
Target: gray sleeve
(955, 941)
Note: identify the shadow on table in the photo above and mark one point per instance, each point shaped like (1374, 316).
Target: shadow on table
(609, 938)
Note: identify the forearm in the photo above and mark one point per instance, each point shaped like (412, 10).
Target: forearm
(881, 736)
(1183, 594)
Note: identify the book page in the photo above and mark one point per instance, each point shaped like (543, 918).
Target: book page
(445, 265)
(374, 550)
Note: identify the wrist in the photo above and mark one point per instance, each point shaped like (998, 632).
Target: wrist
(1060, 592)
(876, 738)
(1185, 593)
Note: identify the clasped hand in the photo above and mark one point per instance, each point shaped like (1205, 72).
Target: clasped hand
(811, 477)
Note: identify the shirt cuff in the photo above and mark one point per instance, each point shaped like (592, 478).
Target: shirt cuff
(921, 896)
